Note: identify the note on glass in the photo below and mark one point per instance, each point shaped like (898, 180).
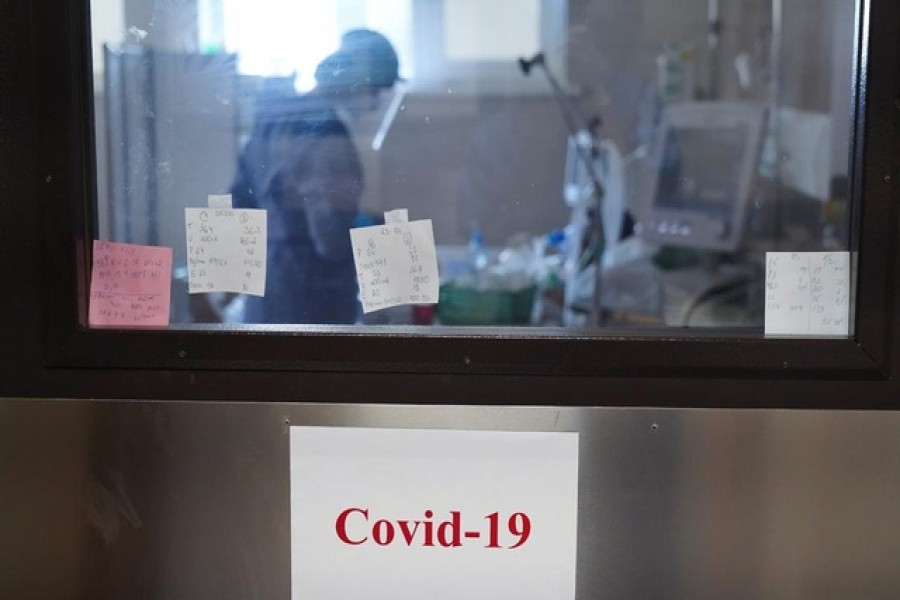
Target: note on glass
(219, 201)
(131, 285)
(401, 215)
(396, 264)
(409, 514)
(226, 250)
(807, 293)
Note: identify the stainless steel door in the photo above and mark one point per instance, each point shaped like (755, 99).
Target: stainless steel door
(191, 500)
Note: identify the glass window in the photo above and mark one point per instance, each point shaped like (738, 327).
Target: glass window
(303, 35)
(586, 166)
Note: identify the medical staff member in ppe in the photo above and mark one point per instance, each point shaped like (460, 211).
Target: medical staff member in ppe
(300, 165)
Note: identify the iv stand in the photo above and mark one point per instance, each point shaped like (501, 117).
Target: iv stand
(576, 124)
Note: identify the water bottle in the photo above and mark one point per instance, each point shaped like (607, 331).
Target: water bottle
(476, 253)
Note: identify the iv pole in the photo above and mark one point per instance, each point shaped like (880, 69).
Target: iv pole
(713, 37)
(577, 126)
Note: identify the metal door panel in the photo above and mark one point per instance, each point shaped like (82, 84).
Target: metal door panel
(191, 500)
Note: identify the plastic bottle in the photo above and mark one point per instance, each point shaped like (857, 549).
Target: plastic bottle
(476, 253)
(549, 252)
(554, 256)
(674, 74)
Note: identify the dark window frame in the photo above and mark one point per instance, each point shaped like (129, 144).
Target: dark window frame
(64, 189)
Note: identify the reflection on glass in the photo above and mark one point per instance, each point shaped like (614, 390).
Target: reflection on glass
(585, 164)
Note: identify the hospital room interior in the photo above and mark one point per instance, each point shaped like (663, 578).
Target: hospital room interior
(585, 164)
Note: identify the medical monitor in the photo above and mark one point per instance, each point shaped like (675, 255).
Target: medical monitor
(707, 157)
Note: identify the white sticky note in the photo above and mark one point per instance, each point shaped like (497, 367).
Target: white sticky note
(807, 293)
(219, 201)
(411, 514)
(400, 215)
(396, 264)
(226, 250)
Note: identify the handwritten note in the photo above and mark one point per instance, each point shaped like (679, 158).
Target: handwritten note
(396, 264)
(226, 250)
(807, 293)
(131, 286)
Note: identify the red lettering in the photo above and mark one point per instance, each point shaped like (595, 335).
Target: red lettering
(446, 534)
(340, 526)
(383, 532)
(429, 529)
(407, 533)
(451, 528)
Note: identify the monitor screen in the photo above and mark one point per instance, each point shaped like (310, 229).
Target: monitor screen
(707, 155)
(701, 169)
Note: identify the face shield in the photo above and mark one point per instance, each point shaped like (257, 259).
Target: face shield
(363, 76)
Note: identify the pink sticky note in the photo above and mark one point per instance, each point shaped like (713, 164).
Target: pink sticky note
(131, 286)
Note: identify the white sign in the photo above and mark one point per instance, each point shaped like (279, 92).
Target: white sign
(226, 250)
(410, 514)
(396, 263)
(807, 293)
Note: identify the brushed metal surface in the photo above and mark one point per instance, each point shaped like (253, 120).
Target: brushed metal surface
(191, 500)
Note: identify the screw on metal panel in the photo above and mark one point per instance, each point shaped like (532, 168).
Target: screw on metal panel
(182, 353)
(654, 427)
(467, 361)
(887, 178)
